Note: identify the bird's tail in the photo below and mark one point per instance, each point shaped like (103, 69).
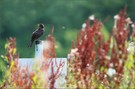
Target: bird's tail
(30, 44)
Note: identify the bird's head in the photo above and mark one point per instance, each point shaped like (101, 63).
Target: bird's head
(41, 25)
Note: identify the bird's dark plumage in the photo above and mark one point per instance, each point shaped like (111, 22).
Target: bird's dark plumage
(36, 34)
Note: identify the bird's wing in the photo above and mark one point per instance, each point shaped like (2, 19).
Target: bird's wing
(36, 34)
(35, 31)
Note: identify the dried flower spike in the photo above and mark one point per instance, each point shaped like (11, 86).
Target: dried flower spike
(116, 17)
(128, 21)
(92, 17)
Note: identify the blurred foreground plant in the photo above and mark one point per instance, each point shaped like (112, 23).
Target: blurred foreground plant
(23, 77)
(94, 63)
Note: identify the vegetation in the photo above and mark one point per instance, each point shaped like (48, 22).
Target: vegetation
(19, 18)
(16, 77)
(101, 56)
(94, 62)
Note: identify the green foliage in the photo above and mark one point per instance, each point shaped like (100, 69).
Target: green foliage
(2, 70)
(19, 18)
(105, 33)
(68, 36)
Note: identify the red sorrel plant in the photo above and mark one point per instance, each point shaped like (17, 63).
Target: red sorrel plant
(92, 59)
(16, 77)
(49, 53)
(26, 78)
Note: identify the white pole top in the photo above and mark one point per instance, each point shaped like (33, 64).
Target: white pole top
(38, 49)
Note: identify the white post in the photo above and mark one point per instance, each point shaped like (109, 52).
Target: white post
(38, 49)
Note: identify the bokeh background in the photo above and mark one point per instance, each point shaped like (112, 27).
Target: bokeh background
(18, 18)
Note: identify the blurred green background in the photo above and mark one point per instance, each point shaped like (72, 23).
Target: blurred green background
(18, 18)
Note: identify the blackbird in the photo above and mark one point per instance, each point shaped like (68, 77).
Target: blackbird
(36, 34)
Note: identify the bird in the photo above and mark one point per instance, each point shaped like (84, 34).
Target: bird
(37, 33)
